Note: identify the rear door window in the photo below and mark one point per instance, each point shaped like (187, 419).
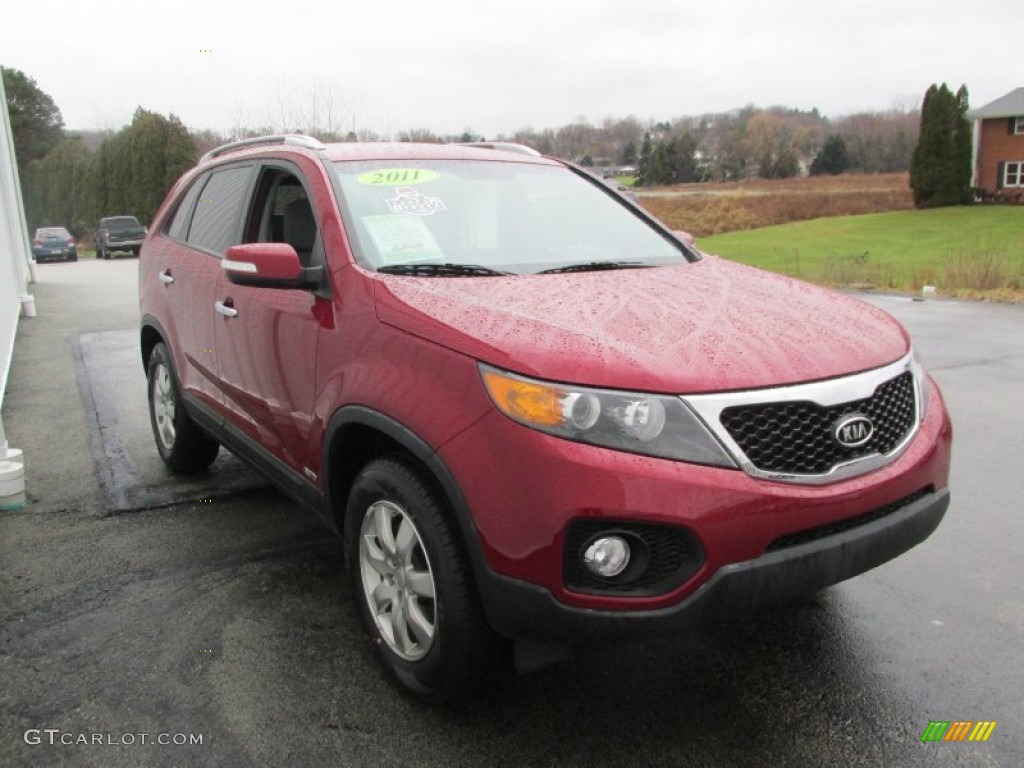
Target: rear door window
(216, 223)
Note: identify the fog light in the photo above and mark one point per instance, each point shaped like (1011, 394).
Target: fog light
(607, 557)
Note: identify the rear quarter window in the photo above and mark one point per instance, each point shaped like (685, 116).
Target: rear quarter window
(177, 227)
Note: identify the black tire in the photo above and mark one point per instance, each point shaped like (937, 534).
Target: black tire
(391, 494)
(135, 252)
(183, 446)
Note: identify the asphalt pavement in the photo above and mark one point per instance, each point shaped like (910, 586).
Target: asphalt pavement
(215, 615)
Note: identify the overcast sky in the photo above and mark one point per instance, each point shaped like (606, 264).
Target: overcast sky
(447, 65)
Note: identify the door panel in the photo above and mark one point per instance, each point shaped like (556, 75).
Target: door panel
(266, 354)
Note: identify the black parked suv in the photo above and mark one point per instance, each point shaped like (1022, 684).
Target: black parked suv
(119, 233)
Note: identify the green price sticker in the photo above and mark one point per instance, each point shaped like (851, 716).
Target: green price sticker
(396, 177)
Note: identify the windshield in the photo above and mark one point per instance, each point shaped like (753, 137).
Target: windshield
(491, 216)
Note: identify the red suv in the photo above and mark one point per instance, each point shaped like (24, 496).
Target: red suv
(531, 411)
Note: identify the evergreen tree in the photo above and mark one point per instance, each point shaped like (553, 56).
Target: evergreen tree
(658, 171)
(833, 158)
(55, 187)
(130, 173)
(962, 147)
(116, 179)
(628, 156)
(133, 170)
(940, 171)
(642, 169)
(672, 161)
(161, 150)
(146, 142)
(687, 169)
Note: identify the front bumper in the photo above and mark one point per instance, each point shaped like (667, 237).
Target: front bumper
(523, 610)
(760, 541)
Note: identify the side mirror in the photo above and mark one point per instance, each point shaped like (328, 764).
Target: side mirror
(267, 265)
(686, 237)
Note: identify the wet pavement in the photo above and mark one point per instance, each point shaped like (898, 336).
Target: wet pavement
(131, 474)
(131, 604)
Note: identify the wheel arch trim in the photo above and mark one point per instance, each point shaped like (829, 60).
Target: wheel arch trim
(405, 437)
(147, 327)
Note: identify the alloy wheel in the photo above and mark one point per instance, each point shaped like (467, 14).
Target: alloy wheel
(397, 580)
(164, 406)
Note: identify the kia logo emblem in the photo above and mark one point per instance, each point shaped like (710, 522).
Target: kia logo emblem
(853, 430)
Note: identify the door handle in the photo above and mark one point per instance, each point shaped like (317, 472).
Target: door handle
(165, 277)
(224, 308)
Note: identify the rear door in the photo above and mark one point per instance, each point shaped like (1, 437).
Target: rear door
(187, 269)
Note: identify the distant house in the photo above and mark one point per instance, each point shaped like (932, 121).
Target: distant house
(998, 162)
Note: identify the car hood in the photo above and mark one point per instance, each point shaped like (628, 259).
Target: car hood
(709, 326)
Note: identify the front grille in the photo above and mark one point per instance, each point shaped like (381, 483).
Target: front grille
(840, 526)
(662, 558)
(796, 437)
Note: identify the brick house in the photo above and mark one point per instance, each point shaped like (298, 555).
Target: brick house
(998, 161)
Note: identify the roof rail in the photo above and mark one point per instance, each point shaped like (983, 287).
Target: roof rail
(294, 139)
(505, 146)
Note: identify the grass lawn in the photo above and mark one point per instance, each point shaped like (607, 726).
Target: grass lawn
(972, 251)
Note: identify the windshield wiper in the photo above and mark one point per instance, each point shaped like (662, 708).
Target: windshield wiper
(594, 266)
(441, 270)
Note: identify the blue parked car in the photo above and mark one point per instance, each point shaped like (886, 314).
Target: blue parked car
(51, 243)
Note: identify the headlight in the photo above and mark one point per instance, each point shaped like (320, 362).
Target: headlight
(653, 425)
(921, 387)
